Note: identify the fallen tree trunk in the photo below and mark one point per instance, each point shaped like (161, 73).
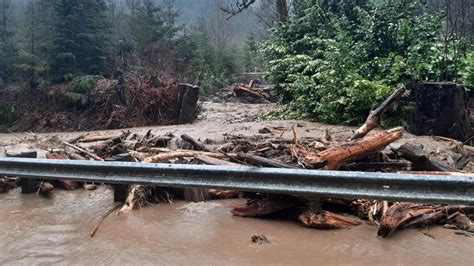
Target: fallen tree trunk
(196, 145)
(239, 90)
(405, 215)
(84, 152)
(375, 116)
(180, 154)
(95, 138)
(327, 220)
(351, 151)
(261, 161)
(423, 161)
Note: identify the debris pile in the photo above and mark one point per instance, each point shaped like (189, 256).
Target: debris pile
(253, 92)
(109, 104)
(371, 153)
(364, 151)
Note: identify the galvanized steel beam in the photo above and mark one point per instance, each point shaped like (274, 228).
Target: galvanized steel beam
(344, 184)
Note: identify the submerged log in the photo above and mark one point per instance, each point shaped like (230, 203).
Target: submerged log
(223, 193)
(264, 206)
(375, 116)
(137, 198)
(45, 187)
(422, 160)
(347, 152)
(327, 220)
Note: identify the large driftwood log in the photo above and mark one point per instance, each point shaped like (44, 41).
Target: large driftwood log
(95, 138)
(422, 160)
(258, 160)
(375, 116)
(327, 220)
(180, 154)
(350, 151)
(84, 152)
(196, 144)
(239, 90)
(405, 215)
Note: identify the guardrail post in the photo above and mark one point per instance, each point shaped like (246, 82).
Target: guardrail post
(28, 185)
(121, 190)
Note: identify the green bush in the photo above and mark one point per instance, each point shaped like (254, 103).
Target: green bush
(83, 84)
(8, 115)
(334, 61)
(467, 73)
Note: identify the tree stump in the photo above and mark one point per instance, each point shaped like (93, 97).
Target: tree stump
(188, 96)
(441, 109)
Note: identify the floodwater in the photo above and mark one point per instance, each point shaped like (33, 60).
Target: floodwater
(38, 230)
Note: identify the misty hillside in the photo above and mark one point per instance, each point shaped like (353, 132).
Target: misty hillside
(189, 12)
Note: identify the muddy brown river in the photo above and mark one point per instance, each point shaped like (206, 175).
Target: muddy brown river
(38, 230)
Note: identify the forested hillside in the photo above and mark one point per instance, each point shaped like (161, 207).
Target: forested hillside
(331, 61)
(45, 41)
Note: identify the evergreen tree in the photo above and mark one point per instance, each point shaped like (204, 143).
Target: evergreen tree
(80, 39)
(170, 15)
(146, 23)
(35, 41)
(7, 46)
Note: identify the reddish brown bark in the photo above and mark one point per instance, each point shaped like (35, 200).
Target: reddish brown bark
(347, 152)
(327, 220)
(375, 116)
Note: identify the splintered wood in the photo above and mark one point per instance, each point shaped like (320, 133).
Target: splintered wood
(333, 158)
(327, 220)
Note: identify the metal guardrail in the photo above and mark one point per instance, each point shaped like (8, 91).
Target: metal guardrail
(344, 184)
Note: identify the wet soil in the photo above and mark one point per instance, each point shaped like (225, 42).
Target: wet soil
(38, 230)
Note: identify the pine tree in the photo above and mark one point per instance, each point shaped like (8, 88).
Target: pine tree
(35, 41)
(80, 38)
(92, 38)
(170, 15)
(7, 46)
(146, 23)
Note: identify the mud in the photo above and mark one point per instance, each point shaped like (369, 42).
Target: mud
(36, 230)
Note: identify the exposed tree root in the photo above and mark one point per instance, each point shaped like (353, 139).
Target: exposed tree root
(327, 220)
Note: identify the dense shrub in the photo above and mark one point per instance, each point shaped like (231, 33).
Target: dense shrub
(83, 84)
(336, 60)
(467, 73)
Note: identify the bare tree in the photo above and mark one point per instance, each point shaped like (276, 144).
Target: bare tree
(220, 29)
(281, 8)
